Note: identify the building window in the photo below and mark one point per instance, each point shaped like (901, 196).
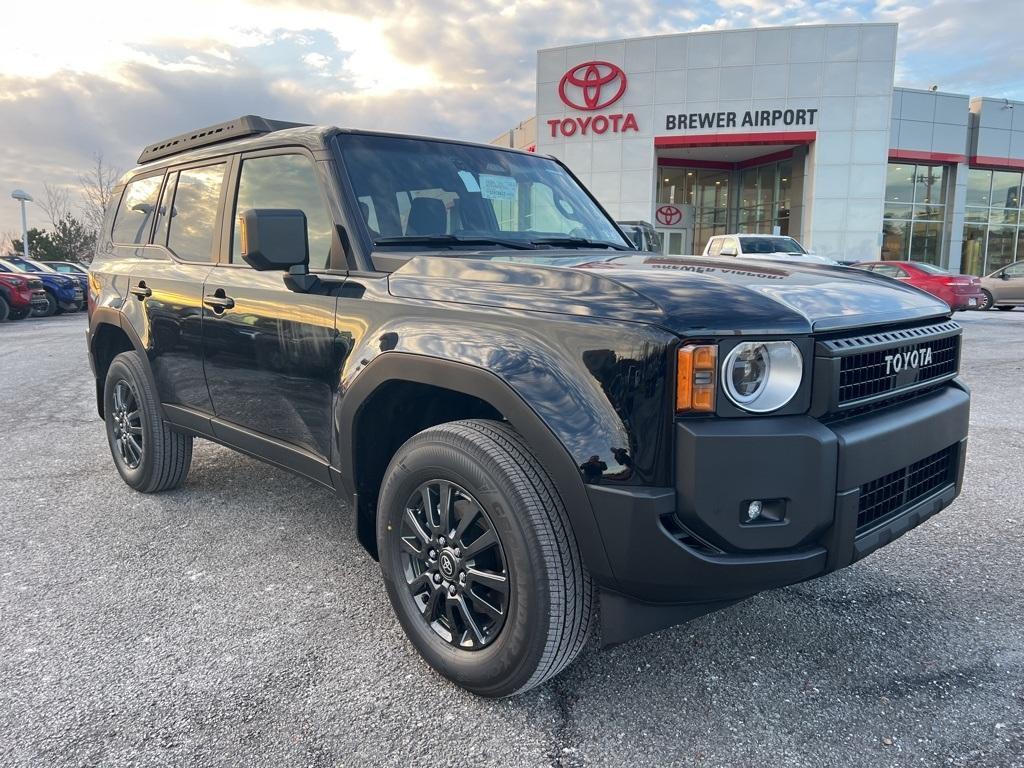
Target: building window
(764, 198)
(992, 221)
(915, 213)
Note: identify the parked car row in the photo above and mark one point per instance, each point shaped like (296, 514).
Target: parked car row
(1003, 289)
(29, 287)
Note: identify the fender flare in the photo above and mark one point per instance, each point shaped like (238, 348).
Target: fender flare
(486, 386)
(102, 316)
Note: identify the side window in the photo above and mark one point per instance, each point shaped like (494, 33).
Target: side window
(194, 212)
(715, 249)
(285, 181)
(886, 269)
(135, 212)
(733, 243)
(1015, 271)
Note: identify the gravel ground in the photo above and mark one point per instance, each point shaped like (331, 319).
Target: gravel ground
(237, 622)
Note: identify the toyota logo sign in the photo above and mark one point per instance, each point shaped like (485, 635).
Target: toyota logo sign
(668, 215)
(593, 85)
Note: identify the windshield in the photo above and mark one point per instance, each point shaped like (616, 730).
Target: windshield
(771, 245)
(416, 192)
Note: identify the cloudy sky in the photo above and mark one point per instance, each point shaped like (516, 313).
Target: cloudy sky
(106, 76)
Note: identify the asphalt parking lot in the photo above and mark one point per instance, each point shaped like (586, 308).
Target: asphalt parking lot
(237, 622)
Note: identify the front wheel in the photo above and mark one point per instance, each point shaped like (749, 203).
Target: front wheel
(479, 560)
(986, 301)
(5, 309)
(148, 454)
(52, 305)
(1007, 307)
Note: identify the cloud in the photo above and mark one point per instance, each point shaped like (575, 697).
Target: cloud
(104, 80)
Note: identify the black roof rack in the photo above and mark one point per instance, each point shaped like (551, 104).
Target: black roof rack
(246, 125)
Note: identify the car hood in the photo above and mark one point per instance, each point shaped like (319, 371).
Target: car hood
(686, 295)
(806, 258)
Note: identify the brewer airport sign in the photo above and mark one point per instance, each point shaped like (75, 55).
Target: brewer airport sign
(597, 85)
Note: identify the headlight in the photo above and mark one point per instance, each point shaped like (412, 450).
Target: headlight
(762, 376)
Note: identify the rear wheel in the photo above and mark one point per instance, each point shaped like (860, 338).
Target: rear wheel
(479, 560)
(986, 301)
(1007, 307)
(148, 454)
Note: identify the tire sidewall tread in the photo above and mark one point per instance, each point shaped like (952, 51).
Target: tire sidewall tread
(167, 454)
(551, 596)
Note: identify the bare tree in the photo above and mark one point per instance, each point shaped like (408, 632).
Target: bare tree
(97, 189)
(55, 206)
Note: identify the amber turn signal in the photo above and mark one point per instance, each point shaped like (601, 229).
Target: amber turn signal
(695, 378)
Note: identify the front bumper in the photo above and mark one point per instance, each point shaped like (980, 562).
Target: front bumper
(679, 552)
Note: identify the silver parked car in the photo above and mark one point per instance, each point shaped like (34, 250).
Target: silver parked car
(1004, 288)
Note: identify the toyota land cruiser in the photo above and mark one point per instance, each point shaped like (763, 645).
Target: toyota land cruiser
(524, 415)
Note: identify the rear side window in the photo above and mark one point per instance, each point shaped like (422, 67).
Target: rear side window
(715, 249)
(194, 212)
(135, 213)
(286, 181)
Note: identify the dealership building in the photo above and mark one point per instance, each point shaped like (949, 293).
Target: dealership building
(795, 130)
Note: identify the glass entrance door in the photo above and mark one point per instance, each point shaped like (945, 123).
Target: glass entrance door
(676, 242)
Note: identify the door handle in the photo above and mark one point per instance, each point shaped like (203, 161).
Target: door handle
(141, 291)
(218, 302)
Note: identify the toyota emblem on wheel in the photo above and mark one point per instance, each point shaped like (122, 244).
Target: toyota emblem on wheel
(593, 85)
(668, 215)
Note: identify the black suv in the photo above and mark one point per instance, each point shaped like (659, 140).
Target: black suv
(525, 415)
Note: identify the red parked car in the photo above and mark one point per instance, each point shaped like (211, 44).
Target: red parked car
(19, 295)
(959, 291)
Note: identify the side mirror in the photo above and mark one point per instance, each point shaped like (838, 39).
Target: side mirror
(1003, 275)
(274, 238)
(729, 250)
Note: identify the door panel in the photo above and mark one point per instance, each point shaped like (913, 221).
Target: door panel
(163, 301)
(164, 305)
(272, 358)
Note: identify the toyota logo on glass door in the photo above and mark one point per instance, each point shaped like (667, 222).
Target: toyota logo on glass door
(593, 85)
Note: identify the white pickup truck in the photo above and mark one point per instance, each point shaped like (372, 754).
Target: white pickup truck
(770, 247)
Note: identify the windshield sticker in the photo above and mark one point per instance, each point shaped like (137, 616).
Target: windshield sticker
(469, 181)
(498, 187)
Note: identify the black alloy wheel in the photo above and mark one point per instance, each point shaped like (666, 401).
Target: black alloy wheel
(454, 565)
(149, 455)
(127, 424)
(479, 559)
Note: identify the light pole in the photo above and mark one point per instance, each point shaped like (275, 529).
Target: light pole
(24, 197)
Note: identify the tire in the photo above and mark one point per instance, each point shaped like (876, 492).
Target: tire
(986, 301)
(1006, 307)
(5, 309)
(52, 305)
(549, 597)
(160, 457)
(19, 314)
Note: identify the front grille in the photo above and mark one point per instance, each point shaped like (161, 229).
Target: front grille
(873, 373)
(877, 366)
(887, 496)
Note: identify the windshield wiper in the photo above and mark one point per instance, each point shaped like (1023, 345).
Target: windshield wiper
(579, 242)
(450, 240)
